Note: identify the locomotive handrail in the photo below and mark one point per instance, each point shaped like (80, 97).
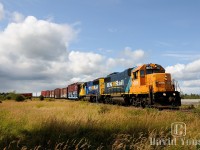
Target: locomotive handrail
(176, 85)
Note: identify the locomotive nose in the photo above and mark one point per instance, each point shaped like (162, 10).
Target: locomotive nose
(162, 82)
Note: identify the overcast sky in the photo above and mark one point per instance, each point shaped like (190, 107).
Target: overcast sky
(48, 44)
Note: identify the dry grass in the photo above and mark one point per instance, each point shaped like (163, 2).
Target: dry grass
(63, 124)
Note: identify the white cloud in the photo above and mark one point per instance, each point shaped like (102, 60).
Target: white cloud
(188, 75)
(33, 50)
(90, 63)
(193, 66)
(128, 58)
(137, 54)
(1, 11)
(85, 62)
(192, 83)
(176, 70)
(189, 71)
(35, 39)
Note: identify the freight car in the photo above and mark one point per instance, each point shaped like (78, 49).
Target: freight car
(57, 93)
(47, 93)
(73, 90)
(144, 86)
(44, 93)
(27, 95)
(52, 94)
(64, 92)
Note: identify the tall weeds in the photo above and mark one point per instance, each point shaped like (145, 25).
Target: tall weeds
(81, 125)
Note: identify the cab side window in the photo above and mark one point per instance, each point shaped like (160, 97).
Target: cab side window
(142, 73)
(135, 75)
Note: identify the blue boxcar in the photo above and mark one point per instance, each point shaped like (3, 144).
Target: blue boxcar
(118, 82)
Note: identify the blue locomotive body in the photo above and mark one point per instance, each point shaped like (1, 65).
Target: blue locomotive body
(118, 82)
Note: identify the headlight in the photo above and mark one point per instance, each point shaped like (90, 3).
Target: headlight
(174, 94)
(164, 94)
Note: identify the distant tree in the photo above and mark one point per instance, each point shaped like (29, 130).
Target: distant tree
(2, 97)
(19, 98)
(191, 96)
(11, 96)
(41, 97)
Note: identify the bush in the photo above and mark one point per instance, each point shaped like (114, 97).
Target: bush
(2, 97)
(11, 96)
(41, 97)
(29, 97)
(20, 98)
(8, 97)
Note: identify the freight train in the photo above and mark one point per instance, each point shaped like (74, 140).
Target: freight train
(143, 86)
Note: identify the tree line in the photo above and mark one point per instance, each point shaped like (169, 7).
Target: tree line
(190, 96)
(12, 96)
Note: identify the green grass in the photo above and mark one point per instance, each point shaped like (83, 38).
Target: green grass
(63, 124)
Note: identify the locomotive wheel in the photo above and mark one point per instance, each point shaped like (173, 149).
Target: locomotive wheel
(92, 99)
(127, 101)
(148, 102)
(143, 104)
(138, 102)
(133, 101)
(101, 100)
(108, 100)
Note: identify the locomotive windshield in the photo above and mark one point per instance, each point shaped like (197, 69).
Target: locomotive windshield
(151, 71)
(154, 69)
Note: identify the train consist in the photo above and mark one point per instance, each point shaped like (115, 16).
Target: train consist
(143, 86)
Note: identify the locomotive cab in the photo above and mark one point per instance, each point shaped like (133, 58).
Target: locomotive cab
(152, 86)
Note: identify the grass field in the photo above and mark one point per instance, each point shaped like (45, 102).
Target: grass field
(63, 124)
